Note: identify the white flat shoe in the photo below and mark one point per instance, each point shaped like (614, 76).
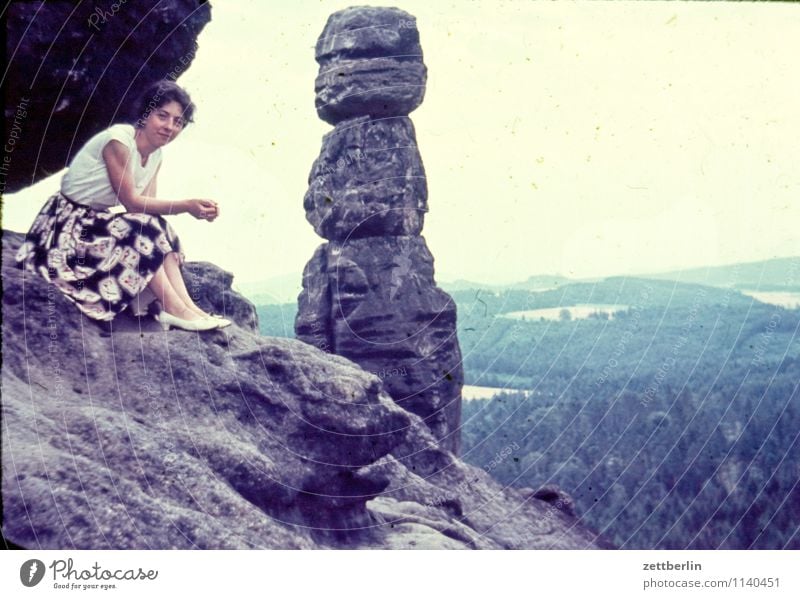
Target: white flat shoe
(223, 322)
(167, 320)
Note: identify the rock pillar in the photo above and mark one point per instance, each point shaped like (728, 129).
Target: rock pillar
(369, 293)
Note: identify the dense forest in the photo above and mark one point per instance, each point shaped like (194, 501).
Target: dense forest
(673, 423)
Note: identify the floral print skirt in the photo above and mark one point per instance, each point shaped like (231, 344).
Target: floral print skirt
(102, 261)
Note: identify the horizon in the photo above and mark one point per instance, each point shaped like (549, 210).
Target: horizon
(582, 151)
(446, 279)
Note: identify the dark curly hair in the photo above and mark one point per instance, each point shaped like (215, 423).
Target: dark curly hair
(160, 93)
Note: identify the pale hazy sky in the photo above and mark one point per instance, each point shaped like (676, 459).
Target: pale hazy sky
(584, 139)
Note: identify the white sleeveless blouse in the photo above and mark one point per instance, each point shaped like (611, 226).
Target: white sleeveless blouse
(87, 182)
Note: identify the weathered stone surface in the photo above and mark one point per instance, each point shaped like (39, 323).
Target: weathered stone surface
(367, 181)
(556, 497)
(370, 64)
(210, 288)
(225, 439)
(369, 294)
(368, 32)
(379, 87)
(74, 69)
(374, 301)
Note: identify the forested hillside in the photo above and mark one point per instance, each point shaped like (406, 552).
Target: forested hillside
(673, 423)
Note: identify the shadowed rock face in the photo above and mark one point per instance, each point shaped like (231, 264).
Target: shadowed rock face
(225, 439)
(370, 294)
(75, 67)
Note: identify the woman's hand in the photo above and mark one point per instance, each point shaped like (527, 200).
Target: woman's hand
(203, 209)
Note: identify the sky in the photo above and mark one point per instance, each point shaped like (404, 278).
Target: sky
(581, 139)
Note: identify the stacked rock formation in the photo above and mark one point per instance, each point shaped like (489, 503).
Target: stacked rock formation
(369, 293)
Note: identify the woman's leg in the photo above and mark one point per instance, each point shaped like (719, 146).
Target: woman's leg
(170, 300)
(176, 278)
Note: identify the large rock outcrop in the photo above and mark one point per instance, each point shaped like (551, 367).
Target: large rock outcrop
(136, 438)
(75, 68)
(369, 294)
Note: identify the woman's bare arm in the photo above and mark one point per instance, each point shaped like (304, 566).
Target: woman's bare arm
(117, 158)
(150, 189)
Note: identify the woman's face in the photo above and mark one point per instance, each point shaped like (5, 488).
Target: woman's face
(163, 124)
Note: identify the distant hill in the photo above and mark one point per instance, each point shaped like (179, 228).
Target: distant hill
(465, 285)
(778, 274)
(285, 288)
(543, 282)
(533, 283)
(476, 305)
(275, 290)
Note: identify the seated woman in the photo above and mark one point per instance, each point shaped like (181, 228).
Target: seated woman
(103, 239)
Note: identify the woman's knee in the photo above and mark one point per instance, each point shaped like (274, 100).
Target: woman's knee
(175, 256)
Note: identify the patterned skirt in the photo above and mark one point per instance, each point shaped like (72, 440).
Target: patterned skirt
(102, 261)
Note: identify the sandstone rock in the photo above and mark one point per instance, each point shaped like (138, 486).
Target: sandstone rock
(370, 63)
(557, 497)
(76, 67)
(368, 181)
(374, 301)
(381, 87)
(225, 439)
(210, 288)
(367, 32)
(370, 294)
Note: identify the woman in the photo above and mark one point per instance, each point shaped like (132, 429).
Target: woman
(102, 239)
